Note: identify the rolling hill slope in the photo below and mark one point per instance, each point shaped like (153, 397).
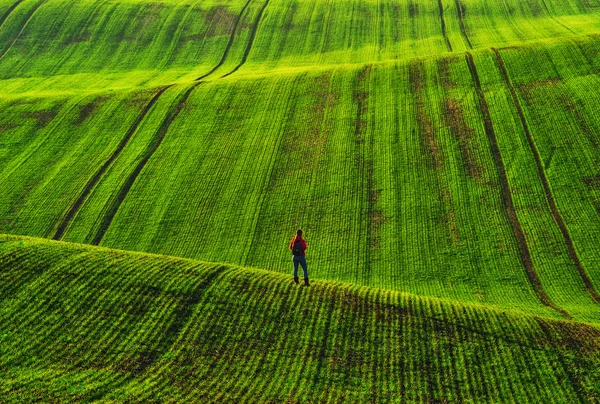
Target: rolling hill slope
(443, 158)
(450, 177)
(90, 323)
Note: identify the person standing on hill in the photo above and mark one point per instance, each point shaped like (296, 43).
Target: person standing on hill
(298, 247)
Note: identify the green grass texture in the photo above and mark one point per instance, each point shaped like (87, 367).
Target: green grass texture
(85, 323)
(436, 153)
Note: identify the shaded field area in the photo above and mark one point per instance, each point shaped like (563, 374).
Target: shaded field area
(90, 323)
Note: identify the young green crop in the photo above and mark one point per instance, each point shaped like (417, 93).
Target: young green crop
(115, 325)
(444, 148)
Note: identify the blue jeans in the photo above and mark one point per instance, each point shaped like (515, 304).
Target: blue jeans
(299, 259)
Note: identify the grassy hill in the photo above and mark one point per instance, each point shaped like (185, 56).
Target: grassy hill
(90, 323)
(443, 158)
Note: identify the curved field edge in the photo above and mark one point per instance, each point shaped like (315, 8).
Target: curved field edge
(88, 323)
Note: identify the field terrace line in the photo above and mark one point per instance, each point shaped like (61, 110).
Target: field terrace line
(545, 183)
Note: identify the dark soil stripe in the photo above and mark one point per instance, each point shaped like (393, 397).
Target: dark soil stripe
(542, 174)
(460, 9)
(506, 195)
(29, 16)
(250, 41)
(98, 175)
(441, 7)
(149, 152)
(364, 160)
(9, 11)
(229, 44)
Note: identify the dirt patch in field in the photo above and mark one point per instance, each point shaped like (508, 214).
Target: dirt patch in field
(5, 127)
(532, 85)
(445, 71)
(413, 9)
(376, 218)
(464, 135)
(592, 181)
(312, 136)
(140, 98)
(536, 9)
(220, 21)
(429, 144)
(78, 38)
(597, 206)
(579, 337)
(573, 107)
(88, 109)
(43, 118)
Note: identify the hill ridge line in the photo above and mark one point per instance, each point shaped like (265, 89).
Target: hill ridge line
(335, 284)
(190, 78)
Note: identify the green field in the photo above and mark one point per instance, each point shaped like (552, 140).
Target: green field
(442, 157)
(89, 323)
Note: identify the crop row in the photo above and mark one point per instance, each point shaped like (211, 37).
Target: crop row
(417, 176)
(98, 323)
(45, 43)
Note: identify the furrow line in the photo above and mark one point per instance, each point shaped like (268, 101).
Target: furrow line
(229, 44)
(446, 39)
(161, 133)
(9, 11)
(182, 315)
(460, 9)
(250, 41)
(322, 351)
(247, 320)
(365, 166)
(29, 17)
(184, 312)
(62, 227)
(313, 304)
(286, 345)
(281, 296)
(506, 195)
(545, 183)
(555, 20)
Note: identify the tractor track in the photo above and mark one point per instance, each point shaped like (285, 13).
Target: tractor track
(27, 20)
(250, 41)
(161, 133)
(229, 44)
(9, 11)
(507, 200)
(62, 227)
(460, 9)
(545, 183)
(448, 44)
